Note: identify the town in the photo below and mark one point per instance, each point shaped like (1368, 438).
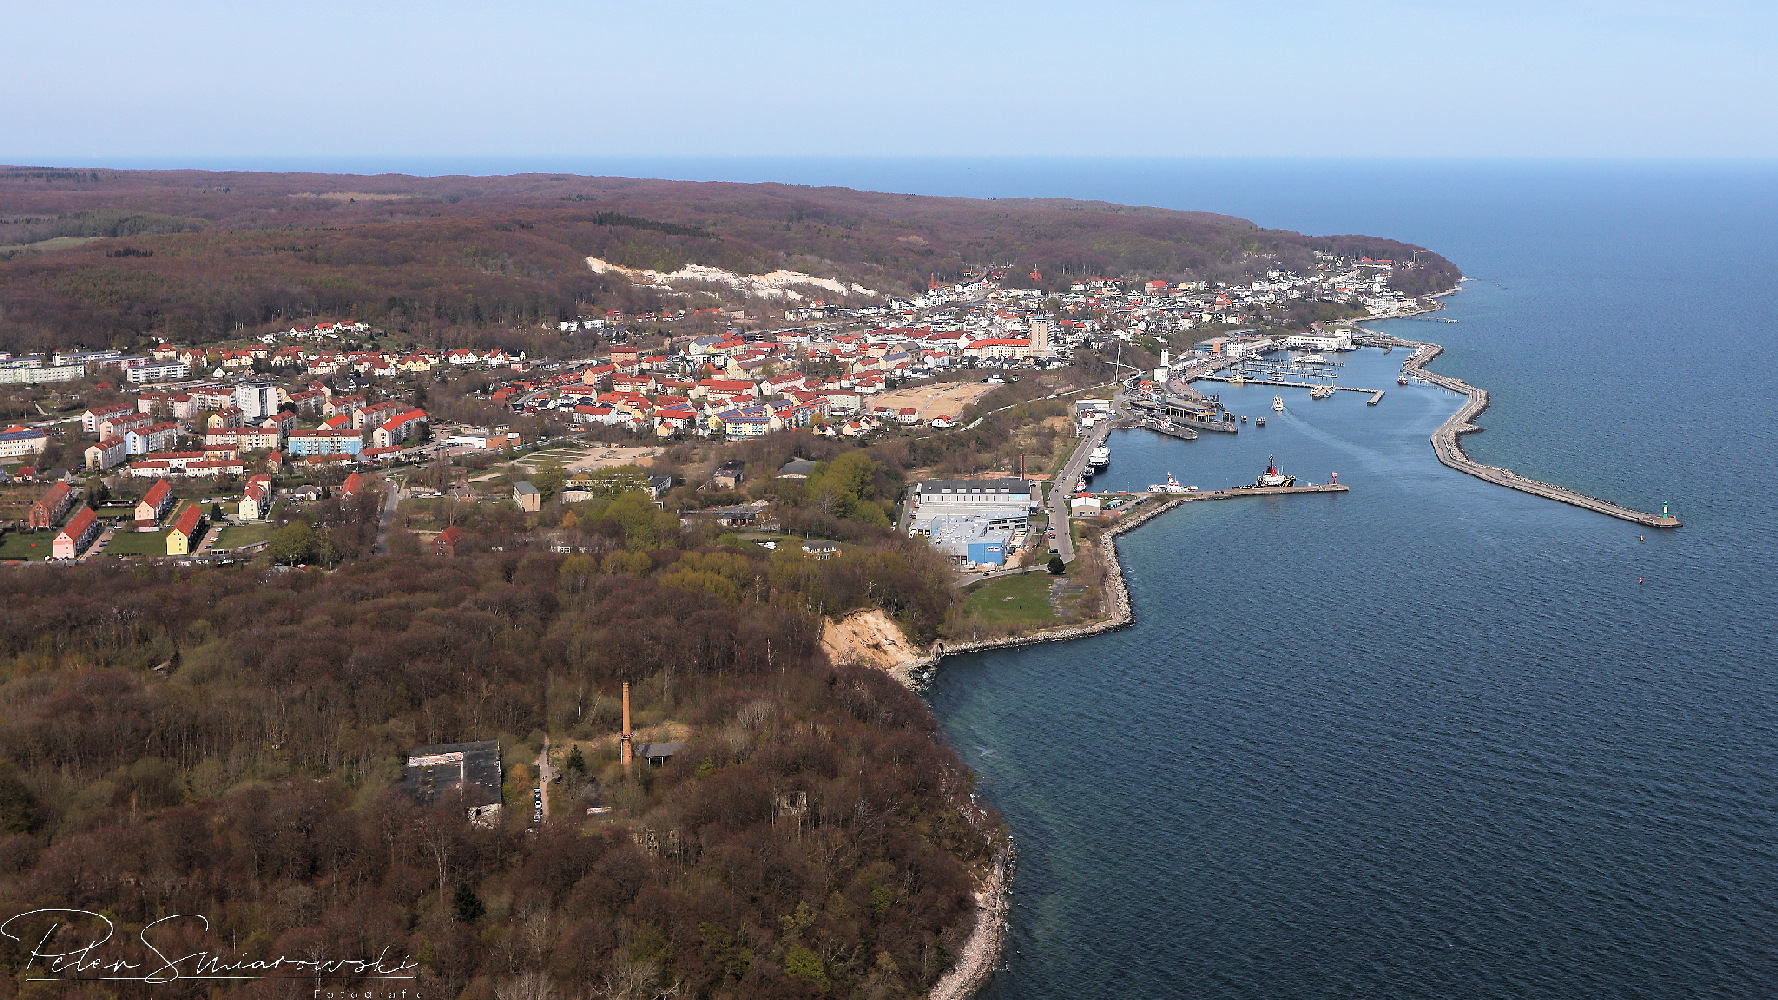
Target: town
(293, 415)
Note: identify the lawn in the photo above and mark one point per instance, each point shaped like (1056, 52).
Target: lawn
(129, 542)
(17, 544)
(1021, 601)
(237, 535)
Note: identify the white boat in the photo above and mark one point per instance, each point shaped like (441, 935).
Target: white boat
(1321, 392)
(1170, 486)
(1099, 459)
(1278, 403)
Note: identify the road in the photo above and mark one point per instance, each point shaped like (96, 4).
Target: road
(545, 775)
(388, 516)
(1062, 487)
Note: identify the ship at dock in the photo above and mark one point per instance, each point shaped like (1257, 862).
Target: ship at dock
(1272, 477)
(1099, 459)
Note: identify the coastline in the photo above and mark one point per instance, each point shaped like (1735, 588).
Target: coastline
(981, 952)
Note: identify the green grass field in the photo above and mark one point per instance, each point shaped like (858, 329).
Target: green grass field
(18, 544)
(128, 542)
(237, 535)
(1020, 601)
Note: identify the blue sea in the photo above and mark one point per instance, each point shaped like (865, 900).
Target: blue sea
(1435, 738)
(1432, 737)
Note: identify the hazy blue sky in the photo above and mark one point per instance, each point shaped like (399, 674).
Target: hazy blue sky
(92, 79)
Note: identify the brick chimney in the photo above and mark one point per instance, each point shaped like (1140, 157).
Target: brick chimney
(624, 738)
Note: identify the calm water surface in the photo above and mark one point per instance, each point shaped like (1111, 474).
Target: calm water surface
(1435, 738)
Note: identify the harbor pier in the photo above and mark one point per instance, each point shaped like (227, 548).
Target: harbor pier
(1252, 491)
(1446, 443)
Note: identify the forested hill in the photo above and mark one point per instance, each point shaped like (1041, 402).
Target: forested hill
(94, 256)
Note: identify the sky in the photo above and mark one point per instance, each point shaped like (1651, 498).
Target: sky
(94, 81)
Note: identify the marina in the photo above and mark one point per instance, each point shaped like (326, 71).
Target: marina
(1286, 383)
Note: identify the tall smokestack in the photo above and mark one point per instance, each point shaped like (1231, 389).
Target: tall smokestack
(625, 737)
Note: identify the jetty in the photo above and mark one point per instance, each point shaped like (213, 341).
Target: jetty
(1252, 491)
(1161, 427)
(1447, 444)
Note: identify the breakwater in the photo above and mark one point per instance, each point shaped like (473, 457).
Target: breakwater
(1257, 491)
(1447, 444)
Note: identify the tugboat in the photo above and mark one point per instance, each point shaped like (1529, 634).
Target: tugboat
(1278, 404)
(1271, 477)
(1403, 380)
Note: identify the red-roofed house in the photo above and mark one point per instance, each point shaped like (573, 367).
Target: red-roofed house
(187, 528)
(50, 507)
(76, 535)
(154, 505)
(107, 453)
(398, 429)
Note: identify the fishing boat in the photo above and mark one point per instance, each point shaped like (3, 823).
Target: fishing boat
(1278, 404)
(1170, 486)
(1270, 477)
(1321, 392)
(1403, 380)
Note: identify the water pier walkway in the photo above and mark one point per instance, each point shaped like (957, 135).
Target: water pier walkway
(1253, 491)
(1449, 449)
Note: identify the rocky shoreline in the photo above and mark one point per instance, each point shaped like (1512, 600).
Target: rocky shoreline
(981, 953)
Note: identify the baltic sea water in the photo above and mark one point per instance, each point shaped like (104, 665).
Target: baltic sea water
(1432, 737)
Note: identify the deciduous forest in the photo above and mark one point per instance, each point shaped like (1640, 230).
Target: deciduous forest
(109, 258)
(227, 742)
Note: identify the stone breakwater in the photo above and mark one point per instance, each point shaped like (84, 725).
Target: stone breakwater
(1446, 443)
